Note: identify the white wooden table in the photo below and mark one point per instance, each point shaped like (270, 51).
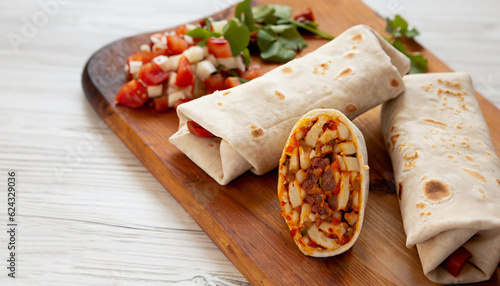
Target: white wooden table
(88, 212)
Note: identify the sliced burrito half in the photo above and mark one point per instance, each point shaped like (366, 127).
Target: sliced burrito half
(323, 183)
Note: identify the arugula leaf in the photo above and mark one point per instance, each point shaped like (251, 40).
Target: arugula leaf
(237, 36)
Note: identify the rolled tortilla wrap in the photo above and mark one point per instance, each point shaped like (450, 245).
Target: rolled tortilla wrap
(323, 183)
(447, 174)
(353, 73)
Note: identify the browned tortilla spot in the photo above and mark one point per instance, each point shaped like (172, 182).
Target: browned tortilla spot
(465, 144)
(400, 191)
(210, 145)
(435, 122)
(287, 70)
(256, 131)
(324, 66)
(315, 70)
(475, 175)
(279, 94)
(219, 104)
(392, 128)
(425, 214)
(344, 73)
(457, 85)
(481, 191)
(394, 82)
(350, 55)
(450, 156)
(469, 158)
(226, 93)
(394, 138)
(498, 182)
(412, 157)
(421, 205)
(435, 190)
(357, 38)
(350, 108)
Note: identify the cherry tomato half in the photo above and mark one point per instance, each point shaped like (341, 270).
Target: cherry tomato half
(132, 94)
(195, 129)
(305, 17)
(185, 73)
(252, 72)
(181, 101)
(456, 261)
(152, 74)
(219, 47)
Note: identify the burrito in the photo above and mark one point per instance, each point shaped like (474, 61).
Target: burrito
(352, 73)
(323, 183)
(447, 176)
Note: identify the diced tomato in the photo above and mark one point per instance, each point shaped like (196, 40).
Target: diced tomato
(160, 103)
(456, 261)
(132, 94)
(252, 72)
(176, 45)
(144, 57)
(195, 129)
(231, 81)
(219, 47)
(181, 30)
(215, 82)
(181, 101)
(185, 73)
(152, 74)
(305, 17)
(335, 165)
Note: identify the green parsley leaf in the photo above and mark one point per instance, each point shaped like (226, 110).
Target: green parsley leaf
(310, 27)
(291, 39)
(237, 36)
(243, 12)
(203, 34)
(271, 49)
(208, 24)
(398, 27)
(246, 57)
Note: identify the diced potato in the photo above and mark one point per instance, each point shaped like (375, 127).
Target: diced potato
(294, 161)
(351, 218)
(343, 196)
(294, 194)
(326, 149)
(343, 132)
(295, 217)
(304, 213)
(313, 134)
(305, 161)
(336, 175)
(355, 200)
(299, 135)
(283, 170)
(341, 163)
(351, 163)
(330, 228)
(345, 148)
(301, 176)
(328, 136)
(320, 238)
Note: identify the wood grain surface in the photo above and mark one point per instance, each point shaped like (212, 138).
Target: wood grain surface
(243, 218)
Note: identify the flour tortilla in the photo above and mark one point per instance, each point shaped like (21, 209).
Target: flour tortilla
(447, 174)
(353, 73)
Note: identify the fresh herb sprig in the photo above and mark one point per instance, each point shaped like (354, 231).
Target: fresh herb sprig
(277, 34)
(399, 29)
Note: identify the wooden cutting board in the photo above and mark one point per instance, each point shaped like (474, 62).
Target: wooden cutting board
(243, 218)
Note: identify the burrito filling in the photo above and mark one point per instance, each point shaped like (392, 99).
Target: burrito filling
(320, 200)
